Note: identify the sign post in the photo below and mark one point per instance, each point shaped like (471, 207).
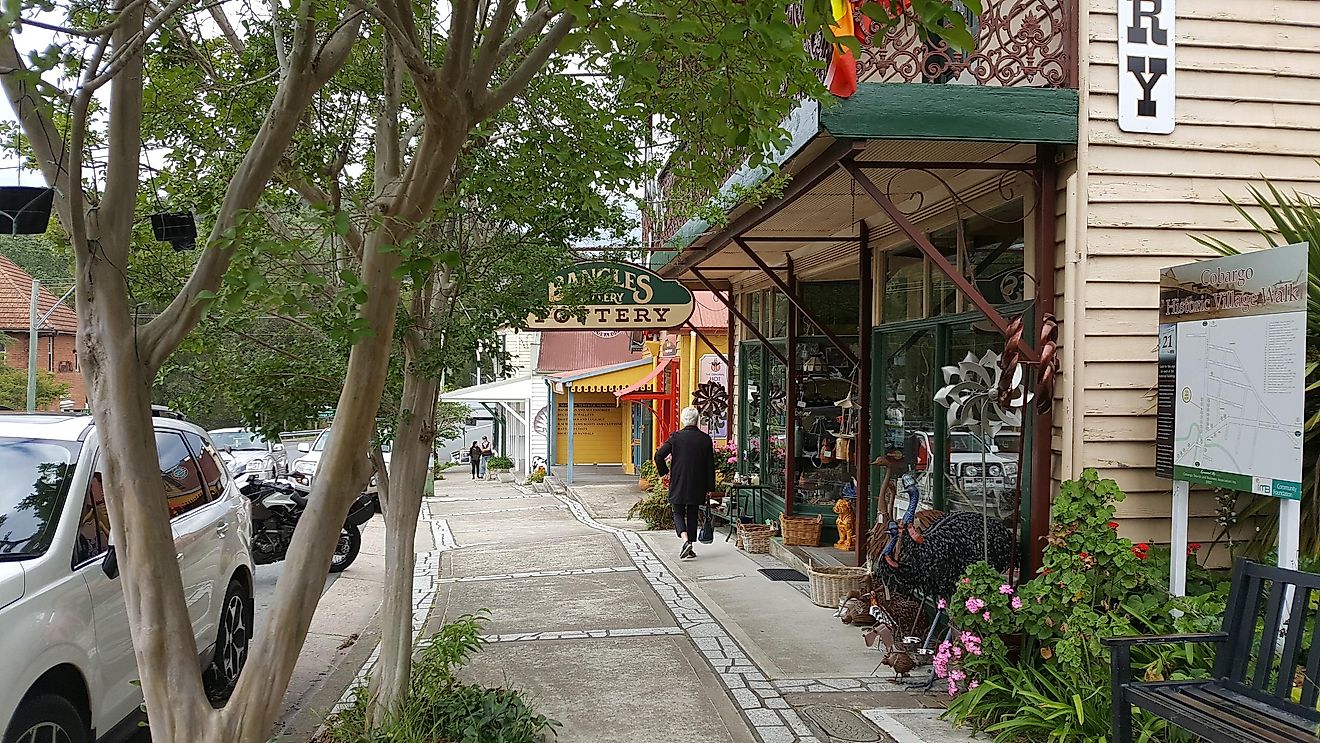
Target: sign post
(1232, 380)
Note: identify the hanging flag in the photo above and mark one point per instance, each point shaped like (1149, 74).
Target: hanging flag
(841, 77)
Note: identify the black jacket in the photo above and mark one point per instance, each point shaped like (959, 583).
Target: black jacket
(693, 469)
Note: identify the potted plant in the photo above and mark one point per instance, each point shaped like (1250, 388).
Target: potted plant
(647, 476)
(501, 465)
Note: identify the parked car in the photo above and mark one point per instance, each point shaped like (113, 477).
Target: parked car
(967, 481)
(304, 468)
(245, 452)
(69, 669)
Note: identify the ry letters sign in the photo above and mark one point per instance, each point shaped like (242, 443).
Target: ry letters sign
(634, 298)
(1145, 66)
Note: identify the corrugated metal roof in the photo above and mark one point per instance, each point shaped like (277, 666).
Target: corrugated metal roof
(567, 350)
(16, 298)
(710, 313)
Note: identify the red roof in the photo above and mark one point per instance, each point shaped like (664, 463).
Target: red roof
(710, 313)
(568, 350)
(16, 299)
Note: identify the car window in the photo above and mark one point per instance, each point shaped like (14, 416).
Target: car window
(238, 440)
(321, 441)
(93, 524)
(32, 492)
(214, 473)
(178, 469)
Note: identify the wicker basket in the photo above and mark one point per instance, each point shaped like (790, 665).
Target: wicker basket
(755, 538)
(800, 531)
(829, 586)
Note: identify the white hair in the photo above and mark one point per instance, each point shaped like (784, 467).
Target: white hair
(689, 416)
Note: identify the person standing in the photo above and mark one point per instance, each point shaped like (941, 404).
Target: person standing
(487, 451)
(690, 476)
(474, 459)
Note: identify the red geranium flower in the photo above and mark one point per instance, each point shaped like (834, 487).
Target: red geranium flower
(1193, 547)
(1113, 524)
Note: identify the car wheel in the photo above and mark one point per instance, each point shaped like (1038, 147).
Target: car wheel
(233, 636)
(346, 549)
(47, 718)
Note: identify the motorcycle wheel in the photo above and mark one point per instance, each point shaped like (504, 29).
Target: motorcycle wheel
(346, 549)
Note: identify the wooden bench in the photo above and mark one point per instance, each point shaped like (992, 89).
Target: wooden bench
(1248, 698)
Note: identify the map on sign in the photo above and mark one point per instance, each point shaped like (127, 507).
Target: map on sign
(1238, 421)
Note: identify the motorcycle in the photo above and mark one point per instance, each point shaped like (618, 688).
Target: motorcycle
(276, 507)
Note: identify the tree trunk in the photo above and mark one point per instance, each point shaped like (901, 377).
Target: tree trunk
(409, 460)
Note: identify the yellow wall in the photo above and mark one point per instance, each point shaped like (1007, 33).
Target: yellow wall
(600, 428)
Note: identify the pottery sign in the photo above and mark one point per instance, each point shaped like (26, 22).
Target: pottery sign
(622, 297)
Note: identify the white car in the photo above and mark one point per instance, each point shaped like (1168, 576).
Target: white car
(304, 468)
(968, 455)
(246, 453)
(69, 670)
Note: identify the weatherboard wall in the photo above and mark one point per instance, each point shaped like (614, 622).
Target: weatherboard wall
(1248, 97)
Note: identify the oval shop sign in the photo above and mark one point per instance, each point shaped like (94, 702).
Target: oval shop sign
(631, 298)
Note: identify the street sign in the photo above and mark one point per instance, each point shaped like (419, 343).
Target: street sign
(634, 298)
(1232, 381)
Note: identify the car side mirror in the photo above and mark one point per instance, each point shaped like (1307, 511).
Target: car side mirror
(110, 565)
(304, 447)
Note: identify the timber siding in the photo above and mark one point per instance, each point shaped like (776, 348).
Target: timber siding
(1248, 103)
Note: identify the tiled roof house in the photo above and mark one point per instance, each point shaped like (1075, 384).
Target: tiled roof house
(57, 347)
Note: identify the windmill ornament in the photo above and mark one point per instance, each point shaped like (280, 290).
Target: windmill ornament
(979, 397)
(712, 401)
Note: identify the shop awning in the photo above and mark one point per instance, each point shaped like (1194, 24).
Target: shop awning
(514, 389)
(631, 392)
(601, 378)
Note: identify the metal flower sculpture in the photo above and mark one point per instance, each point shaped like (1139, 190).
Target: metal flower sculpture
(973, 400)
(711, 400)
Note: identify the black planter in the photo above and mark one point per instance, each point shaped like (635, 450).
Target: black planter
(177, 229)
(25, 210)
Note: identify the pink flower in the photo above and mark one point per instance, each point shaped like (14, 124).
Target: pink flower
(1006, 589)
(986, 616)
(957, 676)
(974, 605)
(953, 688)
(942, 604)
(966, 580)
(957, 652)
(974, 684)
(1017, 603)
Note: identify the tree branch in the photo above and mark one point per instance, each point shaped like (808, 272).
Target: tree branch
(226, 28)
(462, 32)
(527, 69)
(304, 79)
(412, 55)
(488, 54)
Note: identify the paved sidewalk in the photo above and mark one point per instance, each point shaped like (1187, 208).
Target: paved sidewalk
(615, 642)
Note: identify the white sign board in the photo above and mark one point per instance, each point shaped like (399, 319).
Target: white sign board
(1232, 384)
(1146, 66)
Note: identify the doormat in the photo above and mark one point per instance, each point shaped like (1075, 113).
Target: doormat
(783, 574)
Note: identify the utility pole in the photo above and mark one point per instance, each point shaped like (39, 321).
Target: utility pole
(32, 349)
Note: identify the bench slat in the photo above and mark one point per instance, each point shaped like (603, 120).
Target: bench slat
(1269, 636)
(1311, 683)
(1239, 644)
(1296, 628)
(1220, 714)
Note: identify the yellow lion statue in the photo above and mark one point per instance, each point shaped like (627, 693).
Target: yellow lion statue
(847, 534)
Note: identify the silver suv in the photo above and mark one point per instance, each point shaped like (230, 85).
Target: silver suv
(69, 671)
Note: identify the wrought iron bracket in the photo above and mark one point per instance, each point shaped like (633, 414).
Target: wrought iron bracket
(733, 310)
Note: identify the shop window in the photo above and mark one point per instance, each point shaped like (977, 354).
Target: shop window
(832, 303)
(904, 285)
(754, 309)
(826, 422)
(778, 315)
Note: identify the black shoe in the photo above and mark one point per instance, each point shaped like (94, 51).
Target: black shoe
(686, 552)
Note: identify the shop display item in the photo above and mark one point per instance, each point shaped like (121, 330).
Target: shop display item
(844, 523)
(952, 544)
(801, 531)
(831, 584)
(901, 662)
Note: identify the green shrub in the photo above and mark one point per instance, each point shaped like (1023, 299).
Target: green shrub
(440, 708)
(646, 471)
(654, 508)
(500, 462)
(1092, 584)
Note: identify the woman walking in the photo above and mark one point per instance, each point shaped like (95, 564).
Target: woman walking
(474, 458)
(691, 476)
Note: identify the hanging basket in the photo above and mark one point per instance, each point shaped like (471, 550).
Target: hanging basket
(800, 531)
(178, 229)
(829, 586)
(25, 210)
(755, 538)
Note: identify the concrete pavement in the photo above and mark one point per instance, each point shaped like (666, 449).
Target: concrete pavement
(605, 630)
